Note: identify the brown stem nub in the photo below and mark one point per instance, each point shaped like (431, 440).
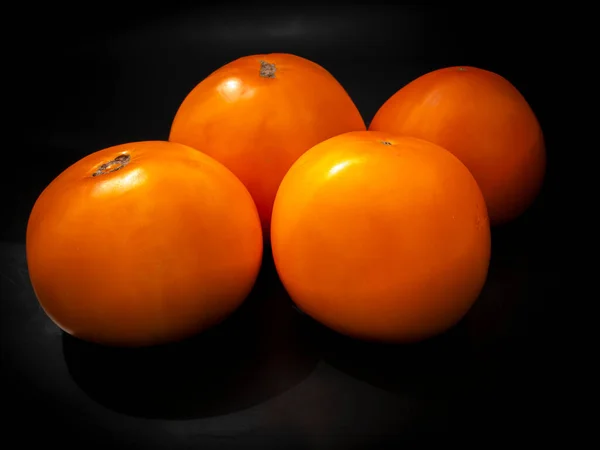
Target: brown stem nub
(386, 143)
(118, 163)
(267, 70)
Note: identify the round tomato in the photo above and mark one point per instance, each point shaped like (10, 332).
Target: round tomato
(484, 120)
(381, 238)
(142, 244)
(259, 113)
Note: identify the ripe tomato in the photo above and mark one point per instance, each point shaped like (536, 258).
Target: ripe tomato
(143, 243)
(485, 121)
(259, 113)
(381, 238)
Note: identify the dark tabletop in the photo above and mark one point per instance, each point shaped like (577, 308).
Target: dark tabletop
(270, 377)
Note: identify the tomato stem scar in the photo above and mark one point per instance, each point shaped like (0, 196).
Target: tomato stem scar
(462, 69)
(386, 143)
(113, 165)
(267, 70)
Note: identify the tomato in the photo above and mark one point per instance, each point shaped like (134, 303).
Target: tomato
(143, 243)
(259, 113)
(381, 238)
(484, 120)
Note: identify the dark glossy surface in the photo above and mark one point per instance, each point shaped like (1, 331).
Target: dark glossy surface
(269, 377)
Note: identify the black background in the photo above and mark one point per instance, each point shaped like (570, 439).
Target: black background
(91, 77)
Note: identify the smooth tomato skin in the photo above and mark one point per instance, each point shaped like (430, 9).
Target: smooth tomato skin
(164, 248)
(484, 120)
(258, 125)
(386, 243)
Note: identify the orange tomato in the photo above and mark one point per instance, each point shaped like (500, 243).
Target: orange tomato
(381, 238)
(484, 120)
(142, 244)
(259, 113)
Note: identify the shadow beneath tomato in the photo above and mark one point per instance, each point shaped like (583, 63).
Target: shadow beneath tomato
(258, 353)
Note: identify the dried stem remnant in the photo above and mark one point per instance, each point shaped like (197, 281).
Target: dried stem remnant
(118, 163)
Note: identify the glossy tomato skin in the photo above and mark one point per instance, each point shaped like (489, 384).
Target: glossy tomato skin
(259, 113)
(482, 119)
(386, 243)
(163, 248)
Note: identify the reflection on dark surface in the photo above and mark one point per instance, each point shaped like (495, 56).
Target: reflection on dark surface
(430, 376)
(258, 353)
